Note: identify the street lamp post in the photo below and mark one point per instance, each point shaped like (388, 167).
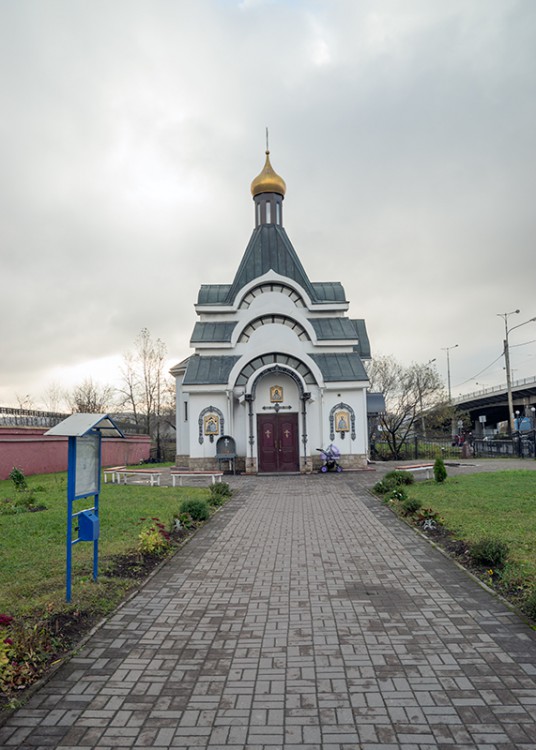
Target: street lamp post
(511, 425)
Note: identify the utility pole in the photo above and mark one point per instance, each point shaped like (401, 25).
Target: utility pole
(511, 424)
(447, 349)
(508, 384)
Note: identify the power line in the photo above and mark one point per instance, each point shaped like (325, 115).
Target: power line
(481, 371)
(523, 344)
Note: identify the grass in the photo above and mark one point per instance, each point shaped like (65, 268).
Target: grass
(501, 505)
(37, 626)
(32, 550)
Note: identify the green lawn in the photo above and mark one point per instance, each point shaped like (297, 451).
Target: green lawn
(500, 505)
(32, 545)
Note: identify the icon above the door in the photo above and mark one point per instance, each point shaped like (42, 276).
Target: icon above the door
(276, 394)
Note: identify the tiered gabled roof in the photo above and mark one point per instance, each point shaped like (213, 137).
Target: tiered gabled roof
(213, 332)
(270, 249)
(212, 370)
(340, 366)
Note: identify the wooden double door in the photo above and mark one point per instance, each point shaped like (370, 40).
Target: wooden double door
(278, 441)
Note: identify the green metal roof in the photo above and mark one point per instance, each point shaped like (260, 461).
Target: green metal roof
(213, 332)
(363, 347)
(329, 291)
(344, 366)
(333, 328)
(213, 294)
(269, 249)
(209, 370)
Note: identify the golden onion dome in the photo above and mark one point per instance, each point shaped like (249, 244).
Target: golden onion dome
(268, 181)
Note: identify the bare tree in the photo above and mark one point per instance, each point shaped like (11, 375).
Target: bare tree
(91, 398)
(55, 397)
(408, 392)
(26, 402)
(145, 392)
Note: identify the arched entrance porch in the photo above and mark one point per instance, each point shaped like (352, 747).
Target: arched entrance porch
(277, 420)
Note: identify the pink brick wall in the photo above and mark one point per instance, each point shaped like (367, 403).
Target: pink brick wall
(32, 453)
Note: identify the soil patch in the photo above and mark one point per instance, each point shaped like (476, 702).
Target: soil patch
(133, 565)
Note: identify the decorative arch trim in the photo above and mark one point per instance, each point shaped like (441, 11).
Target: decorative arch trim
(272, 286)
(265, 320)
(277, 369)
(351, 412)
(275, 358)
(210, 410)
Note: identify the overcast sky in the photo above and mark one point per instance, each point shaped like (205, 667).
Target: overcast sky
(130, 131)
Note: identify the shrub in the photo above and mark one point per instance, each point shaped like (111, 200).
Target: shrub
(219, 492)
(410, 506)
(530, 605)
(428, 514)
(392, 481)
(221, 488)
(440, 473)
(490, 552)
(382, 487)
(198, 509)
(399, 477)
(182, 521)
(154, 540)
(18, 479)
(398, 494)
(25, 650)
(25, 500)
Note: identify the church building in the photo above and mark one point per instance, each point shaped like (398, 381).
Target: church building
(277, 365)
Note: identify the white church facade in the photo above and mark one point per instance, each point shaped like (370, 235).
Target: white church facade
(277, 364)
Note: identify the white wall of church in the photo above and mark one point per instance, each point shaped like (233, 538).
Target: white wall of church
(201, 445)
(356, 399)
(181, 419)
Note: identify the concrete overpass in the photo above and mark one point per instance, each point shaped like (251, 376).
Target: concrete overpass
(493, 403)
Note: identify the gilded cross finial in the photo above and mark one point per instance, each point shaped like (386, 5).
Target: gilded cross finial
(267, 146)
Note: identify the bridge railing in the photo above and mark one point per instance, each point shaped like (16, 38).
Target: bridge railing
(493, 389)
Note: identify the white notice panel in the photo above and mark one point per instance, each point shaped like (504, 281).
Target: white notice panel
(87, 465)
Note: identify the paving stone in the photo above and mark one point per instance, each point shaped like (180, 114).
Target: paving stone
(303, 615)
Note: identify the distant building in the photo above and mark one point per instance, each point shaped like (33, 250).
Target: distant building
(277, 364)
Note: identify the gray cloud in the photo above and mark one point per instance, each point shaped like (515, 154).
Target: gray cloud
(130, 132)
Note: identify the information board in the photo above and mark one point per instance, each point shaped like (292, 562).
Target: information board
(87, 465)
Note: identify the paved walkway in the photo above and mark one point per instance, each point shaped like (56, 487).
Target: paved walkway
(304, 615)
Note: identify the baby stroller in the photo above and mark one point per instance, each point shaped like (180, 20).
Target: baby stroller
(330, 456)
